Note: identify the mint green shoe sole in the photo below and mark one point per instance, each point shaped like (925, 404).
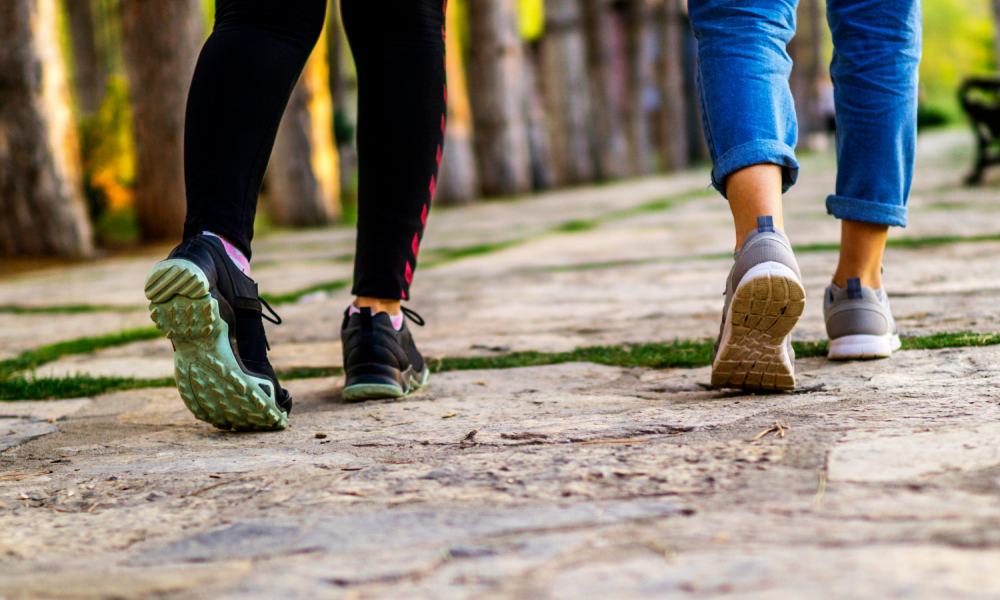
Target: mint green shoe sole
(209, 378)
(382, 391)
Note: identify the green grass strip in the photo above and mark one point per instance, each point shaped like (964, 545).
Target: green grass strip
(66, 309)
(679, 354)
(940, 341)
(440, 256)
(904, 243)
(578, 225)
(31, 359)
(78, 386)
(329, 286)
(84, 386)
(676, 354)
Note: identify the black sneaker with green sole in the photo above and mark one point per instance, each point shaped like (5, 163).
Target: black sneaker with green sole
(213, 315)
(379, 361)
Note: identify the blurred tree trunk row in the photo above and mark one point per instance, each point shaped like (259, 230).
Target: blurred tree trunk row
(599, 90)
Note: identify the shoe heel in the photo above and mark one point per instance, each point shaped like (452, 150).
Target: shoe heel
(175, 277)
(374, 382)
(209, 378)
(765, 309)
(863, 347)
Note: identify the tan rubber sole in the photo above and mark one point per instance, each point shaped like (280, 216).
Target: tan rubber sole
(755, 355)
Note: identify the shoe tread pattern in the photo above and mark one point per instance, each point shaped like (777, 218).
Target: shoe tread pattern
(211, 383)
(764, 311)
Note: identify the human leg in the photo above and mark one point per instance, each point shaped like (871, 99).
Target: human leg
(753, 192)
(241, 85)
(750, 126)
(398, 49)
(200, 297)
(874, 72)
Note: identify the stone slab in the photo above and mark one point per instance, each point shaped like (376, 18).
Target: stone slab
(901, 457)
(577, 478)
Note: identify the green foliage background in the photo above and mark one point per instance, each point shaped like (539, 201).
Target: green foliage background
(958, 42)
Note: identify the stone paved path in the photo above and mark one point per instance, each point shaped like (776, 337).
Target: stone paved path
(573, 480)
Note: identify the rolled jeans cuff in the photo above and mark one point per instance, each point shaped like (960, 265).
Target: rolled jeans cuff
(757, 152)
(867, 211)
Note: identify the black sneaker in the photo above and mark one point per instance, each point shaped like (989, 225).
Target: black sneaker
(379, 361)
(211, 312)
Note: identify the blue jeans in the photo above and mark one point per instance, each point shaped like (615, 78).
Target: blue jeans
(749, 114)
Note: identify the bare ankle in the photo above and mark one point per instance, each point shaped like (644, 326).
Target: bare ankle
(391, 307)
(754, 192)
(861, 249)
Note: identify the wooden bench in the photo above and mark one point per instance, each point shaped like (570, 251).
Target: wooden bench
(980, 97)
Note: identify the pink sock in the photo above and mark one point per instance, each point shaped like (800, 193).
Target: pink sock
(397, 320)
(234, 253)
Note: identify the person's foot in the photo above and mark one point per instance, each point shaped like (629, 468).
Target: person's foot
(764, 300)
(213, 315)
(379, 360)
(859, 322)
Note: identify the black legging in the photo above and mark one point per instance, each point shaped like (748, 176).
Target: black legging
(245, 75)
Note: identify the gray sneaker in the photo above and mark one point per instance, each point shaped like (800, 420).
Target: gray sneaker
(764, 300)
(859, 322)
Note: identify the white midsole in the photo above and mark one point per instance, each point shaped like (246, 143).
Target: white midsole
(864, 346)
(763, 269)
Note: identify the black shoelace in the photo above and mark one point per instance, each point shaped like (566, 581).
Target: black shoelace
(276, 320)
(412, 315)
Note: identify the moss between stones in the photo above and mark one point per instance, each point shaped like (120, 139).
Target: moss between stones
(682, 354)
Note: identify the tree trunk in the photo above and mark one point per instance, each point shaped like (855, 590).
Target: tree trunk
(457, 181)
(673, 133)
(496, 93)
(540, 147)
(805, 50)
(302, 178)
(343, 124)
(696, 142)
(161, 43)
(640, 74)
(567, 92)
(90, 72)
(42, 211)
(606, 89)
